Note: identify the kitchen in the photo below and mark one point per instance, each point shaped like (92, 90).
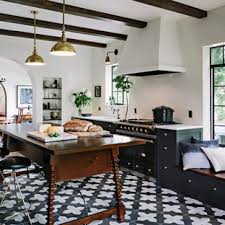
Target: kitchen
(168, 62)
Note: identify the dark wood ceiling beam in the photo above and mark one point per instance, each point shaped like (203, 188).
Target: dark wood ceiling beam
(78, 11)
(176, 7)
(58, 26)
(50, 38)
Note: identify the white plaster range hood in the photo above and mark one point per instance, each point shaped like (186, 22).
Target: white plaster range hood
(153, 50)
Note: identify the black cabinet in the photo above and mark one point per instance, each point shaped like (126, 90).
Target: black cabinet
(140, 158)
(168, 153)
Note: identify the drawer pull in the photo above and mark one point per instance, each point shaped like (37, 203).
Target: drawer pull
(151, 141)
(165, 134)
(214, 189)
(189, 181)
(137, 166)
(165, 167)
(143, 154)
(110, 126)
(149, 170)
(165, 148)
(128, 163)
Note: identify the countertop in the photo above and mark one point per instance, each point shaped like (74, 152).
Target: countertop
(167, 127)
(179, 127)
(99, 118)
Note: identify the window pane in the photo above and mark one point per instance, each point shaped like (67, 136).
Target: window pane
(219, 76)
(219, 115)
(217, 55)
(114, 86)
(120, 98)
(114, 94)
(220, 134)
(219, 95)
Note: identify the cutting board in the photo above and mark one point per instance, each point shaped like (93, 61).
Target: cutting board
(45, 138)
(103, 133)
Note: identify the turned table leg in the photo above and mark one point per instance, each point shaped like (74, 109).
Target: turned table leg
(4, 150)
(51, 192)
(120, 206)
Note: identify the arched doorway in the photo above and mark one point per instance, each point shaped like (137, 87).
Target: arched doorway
(3, 100)
(16, 76)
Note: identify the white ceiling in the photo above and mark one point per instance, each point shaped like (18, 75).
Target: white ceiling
(125, 8)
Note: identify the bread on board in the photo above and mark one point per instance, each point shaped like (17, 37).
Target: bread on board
(77, 125)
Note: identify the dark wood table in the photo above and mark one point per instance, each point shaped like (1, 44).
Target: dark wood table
(67, 160)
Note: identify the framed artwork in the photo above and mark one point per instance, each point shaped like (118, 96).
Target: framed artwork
(24, 96)
(98, 91)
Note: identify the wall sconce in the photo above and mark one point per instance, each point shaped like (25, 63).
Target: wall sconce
(2, 78)
(107, 59)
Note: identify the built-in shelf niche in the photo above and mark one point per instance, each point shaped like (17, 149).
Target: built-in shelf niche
(52, 100)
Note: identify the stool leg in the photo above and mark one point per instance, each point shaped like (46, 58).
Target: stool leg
(15, 193)
(6, 190)
(2, 178)
(21, 195)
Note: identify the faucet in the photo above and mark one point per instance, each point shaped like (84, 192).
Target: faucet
(118, 113)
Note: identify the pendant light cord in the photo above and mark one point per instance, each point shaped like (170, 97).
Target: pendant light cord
(63, 28)
(35, 36)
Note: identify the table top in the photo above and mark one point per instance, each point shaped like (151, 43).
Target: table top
(84, 144)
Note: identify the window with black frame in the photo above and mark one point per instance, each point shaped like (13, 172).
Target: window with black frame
(217, 61)
(117, 94)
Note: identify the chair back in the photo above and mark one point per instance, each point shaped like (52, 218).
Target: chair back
(19, 118)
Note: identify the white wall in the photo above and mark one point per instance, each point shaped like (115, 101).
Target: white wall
(182, 92)
(76, 72)
(15, 74)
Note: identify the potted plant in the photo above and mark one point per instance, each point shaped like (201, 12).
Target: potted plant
(81, 99)
(123, 83)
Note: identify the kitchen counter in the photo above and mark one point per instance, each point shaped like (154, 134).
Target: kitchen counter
(166, 127)
(99, 118)
(178, 127)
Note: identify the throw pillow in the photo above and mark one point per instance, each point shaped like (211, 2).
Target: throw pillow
(217, 158)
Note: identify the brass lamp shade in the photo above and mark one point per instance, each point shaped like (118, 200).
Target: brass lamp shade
(107, 60)
(35, 59)
(63, 48)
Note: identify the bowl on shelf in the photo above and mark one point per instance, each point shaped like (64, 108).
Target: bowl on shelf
(86, 114)
(54, 115)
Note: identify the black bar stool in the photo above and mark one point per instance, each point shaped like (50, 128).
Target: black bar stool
(14, 163)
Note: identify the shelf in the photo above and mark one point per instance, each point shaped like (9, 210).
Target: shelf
(51, 120)
(52, 88)
(52, 98)
(52, 109)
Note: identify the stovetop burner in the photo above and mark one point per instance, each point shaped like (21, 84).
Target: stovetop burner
(141, 121)
(147, 122)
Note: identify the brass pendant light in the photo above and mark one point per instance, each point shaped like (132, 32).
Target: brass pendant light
(35, 59)
(63, 48)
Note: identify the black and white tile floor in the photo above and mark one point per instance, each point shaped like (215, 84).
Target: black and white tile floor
(146, 203)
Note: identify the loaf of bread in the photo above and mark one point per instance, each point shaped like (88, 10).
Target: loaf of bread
(95, 128)
(77, 125)
(55, 129)
(43, 128)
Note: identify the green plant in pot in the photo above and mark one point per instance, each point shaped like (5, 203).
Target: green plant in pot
(81, 99)
(123, 83)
